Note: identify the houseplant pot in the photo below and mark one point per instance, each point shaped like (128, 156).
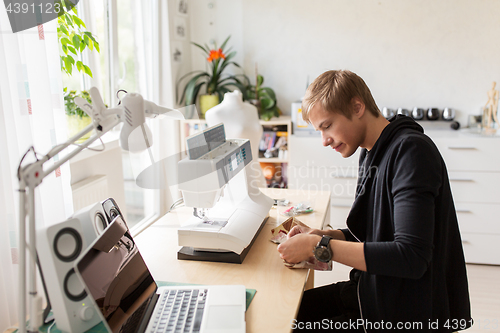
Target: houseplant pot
(207, 102)
(76, 118)
(75, 124)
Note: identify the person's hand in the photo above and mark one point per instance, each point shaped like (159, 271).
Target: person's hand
(298, 229)
(298, 248)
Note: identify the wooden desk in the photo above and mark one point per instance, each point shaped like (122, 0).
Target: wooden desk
(279, 289)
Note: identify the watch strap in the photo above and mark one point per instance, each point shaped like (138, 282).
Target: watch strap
(325, 241)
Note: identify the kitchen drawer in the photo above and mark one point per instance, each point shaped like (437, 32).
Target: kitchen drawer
(470, 153)
(478, 218)
(310, 152)
(472, 218)
(475, 186)
(481, 248)
(339, 210)
(341, 184)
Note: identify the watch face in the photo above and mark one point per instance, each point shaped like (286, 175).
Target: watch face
(322, 254)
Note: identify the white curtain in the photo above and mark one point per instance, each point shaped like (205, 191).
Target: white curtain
(31, 114)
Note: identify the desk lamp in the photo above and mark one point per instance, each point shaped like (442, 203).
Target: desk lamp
(135, 136)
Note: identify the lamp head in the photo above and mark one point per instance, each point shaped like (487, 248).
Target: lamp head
(135, 135)
(132, 111)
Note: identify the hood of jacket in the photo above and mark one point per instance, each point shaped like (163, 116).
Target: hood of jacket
(368, 166)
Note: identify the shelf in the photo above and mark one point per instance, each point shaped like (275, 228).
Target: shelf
(281, 124)
(187, 128)
(282, 120)
(272, 160)
(194, 121)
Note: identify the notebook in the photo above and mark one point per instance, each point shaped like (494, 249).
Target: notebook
(123, 289)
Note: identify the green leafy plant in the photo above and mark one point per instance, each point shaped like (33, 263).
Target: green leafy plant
(212, 80)
(71, 108)
(69, 102)
(263, 98)
(73, 40)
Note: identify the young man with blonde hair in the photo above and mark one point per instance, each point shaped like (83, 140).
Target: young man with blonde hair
(402, 237)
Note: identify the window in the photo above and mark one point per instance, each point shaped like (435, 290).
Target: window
(125, 32)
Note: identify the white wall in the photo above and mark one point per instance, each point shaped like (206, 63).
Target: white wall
(213, 21)
(426, 53)
(109, 163)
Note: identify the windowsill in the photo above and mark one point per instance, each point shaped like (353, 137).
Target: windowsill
(144, 224)
(110, 140)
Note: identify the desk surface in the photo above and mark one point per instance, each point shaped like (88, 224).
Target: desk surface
(279, 289)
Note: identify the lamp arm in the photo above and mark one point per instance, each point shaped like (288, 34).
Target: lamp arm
(22, 256)
(112, 111)
(152, 110)
(30, 177)
(57, 149)
(80, 147)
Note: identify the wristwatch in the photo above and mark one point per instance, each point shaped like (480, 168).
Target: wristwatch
(322, 251)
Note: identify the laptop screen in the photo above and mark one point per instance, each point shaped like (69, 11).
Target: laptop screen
(117, 278)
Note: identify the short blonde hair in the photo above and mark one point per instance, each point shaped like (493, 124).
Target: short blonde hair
(335, 90)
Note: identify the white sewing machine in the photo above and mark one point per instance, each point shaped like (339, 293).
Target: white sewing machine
(228, 212)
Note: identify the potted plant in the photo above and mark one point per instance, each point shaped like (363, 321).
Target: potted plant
(73, 40)
(213, 81)
(263, 98)
(76, 118)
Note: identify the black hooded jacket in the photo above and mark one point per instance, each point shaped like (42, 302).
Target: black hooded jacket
(404, 213)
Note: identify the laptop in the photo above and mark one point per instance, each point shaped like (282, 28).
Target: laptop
(122, 288)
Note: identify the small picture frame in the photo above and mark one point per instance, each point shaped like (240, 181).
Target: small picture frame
(177, 53)
(180, 28)
(182, 7)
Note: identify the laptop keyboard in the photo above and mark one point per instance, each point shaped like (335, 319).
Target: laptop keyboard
(179, 311)
(133, 322)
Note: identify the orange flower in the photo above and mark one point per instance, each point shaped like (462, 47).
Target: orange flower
(216, 54)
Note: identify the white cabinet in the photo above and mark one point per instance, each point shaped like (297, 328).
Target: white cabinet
(473, 164)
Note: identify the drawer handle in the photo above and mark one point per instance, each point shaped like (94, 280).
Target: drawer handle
(341, 205)
(464, 211)
(461, 148)
(465, 241)
(335, 175)
(461, 180)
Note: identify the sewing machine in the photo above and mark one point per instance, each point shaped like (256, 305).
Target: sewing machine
(228, 212)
